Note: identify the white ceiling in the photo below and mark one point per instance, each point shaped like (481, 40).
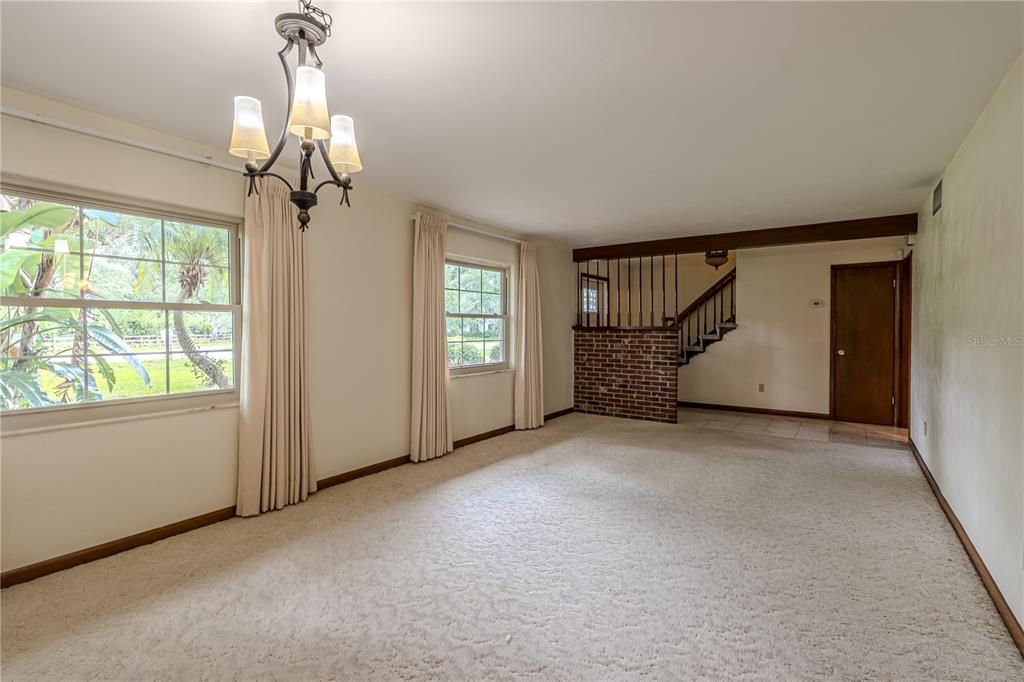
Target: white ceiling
(596, 123)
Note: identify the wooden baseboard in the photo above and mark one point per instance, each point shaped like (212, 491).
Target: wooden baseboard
(559, 413)
(82, 556)
(986, 578)
(469, 440)
(364, 471)
(756, 410)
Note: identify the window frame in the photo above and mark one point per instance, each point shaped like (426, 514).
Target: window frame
(599, 284)
(70, 413)
(486, 367)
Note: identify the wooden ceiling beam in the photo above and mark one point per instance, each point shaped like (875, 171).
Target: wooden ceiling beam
(842, 230)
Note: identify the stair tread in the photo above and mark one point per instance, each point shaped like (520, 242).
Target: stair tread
(704, 340)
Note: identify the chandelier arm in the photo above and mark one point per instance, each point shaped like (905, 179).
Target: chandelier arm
(260, 174)
(282, 55)
(312, 50)
(326, 182)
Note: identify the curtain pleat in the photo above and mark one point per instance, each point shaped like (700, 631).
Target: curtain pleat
(529, 390)
(431, 432)
(275, 465)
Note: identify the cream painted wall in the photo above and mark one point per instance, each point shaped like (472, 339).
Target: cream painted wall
(74, 488)
(781, 341)
(359, 317)
(33, 150)
(967, 363)
(558, 315)
(69, 489)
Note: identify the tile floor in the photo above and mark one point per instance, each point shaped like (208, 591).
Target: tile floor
(797, 427)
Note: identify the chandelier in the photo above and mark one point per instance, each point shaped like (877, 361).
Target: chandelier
(716, 257)
(308, 117)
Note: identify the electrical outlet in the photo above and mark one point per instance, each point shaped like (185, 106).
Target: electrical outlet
(760, 388)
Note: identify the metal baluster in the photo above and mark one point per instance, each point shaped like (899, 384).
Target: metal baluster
(662, 291)
(629, 292)
(618, 292)
(675, 275)
(652, 291)
(607, 285)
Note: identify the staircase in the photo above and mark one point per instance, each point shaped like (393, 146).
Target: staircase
(708, 319)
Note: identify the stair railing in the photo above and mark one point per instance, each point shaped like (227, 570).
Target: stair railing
(643, 292)
(708, 311)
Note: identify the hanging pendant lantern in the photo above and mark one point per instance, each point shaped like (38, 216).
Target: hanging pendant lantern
(716, 257)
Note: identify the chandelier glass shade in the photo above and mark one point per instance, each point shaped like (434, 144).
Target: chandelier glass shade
(308, 118)
(343, 153)
(248, 137)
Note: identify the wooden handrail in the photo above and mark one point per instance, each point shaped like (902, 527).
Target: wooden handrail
(723, 282)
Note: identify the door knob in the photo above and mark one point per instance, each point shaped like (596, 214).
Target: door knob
(840, 352)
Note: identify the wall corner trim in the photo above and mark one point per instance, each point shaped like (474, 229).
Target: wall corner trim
(1016, 633)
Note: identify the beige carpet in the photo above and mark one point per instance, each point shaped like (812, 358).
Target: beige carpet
(594, 548)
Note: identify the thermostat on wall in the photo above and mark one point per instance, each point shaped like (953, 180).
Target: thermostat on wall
(817, 303)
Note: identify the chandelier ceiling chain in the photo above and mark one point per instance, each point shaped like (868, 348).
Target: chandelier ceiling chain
(309, 9)
(307, 117)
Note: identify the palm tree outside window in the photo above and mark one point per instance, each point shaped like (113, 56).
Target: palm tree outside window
(101, 304)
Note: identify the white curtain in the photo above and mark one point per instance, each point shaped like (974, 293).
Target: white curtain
(529, 354)
(275, 467)
(431, 419)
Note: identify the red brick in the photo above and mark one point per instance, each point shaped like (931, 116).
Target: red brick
(626, 373)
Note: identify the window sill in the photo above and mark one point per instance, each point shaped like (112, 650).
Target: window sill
(95, 414)
(482, 372)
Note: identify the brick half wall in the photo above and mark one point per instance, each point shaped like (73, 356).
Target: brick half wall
(628, 373)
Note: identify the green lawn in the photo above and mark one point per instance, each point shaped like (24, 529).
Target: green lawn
(128, 384)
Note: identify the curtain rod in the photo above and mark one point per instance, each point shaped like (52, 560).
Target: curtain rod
(478, 230)
(167, 151)
(118, 139)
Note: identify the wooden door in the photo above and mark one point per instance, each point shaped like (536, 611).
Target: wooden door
(864, 342)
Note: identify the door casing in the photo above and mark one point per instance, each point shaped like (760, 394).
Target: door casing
(900, 331)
